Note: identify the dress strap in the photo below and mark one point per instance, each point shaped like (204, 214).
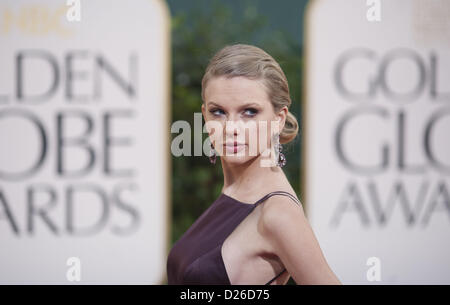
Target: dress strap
(278, 193)
(276, 276)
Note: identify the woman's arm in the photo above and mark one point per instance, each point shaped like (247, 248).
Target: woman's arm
(287, 230)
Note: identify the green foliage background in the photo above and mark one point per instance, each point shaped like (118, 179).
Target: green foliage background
(196, 36)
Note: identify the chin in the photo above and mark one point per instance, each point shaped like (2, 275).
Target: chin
(240, 157)
(236, 159)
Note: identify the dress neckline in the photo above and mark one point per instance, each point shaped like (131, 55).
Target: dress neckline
(238, 201)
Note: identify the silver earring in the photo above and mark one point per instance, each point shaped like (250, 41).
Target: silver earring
(212, 157)
(278, 148)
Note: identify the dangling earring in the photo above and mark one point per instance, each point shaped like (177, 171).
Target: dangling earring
(278, 148)
(212, 157)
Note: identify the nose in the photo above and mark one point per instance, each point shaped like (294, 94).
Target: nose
(233, 127)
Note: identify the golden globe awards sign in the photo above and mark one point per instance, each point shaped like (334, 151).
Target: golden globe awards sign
(377, 149)
(84, 141)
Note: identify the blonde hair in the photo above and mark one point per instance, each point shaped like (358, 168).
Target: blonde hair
(254, 63)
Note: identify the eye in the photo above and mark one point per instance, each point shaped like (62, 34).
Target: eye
(252, 112)
(214, 111)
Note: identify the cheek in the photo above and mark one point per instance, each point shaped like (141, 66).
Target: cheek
(258, 137)
(252, 137)
(215, 132)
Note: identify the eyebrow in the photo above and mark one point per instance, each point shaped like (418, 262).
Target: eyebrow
(243, 106)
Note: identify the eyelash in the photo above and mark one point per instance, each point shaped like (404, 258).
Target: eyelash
(251, 115)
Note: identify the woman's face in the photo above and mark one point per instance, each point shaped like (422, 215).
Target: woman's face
(238, 111)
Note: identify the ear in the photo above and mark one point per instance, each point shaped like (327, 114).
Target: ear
(281, 117)
(204, 117)
(204, 111)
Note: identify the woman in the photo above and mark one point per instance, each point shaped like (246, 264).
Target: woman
(255, 232)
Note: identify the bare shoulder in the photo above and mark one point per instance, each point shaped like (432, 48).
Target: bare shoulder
(280, 213)
(289, 236)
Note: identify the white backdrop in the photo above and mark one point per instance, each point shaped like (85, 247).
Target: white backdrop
(377, 148)
(84, 129)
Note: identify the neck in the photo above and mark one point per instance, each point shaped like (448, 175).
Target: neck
(250, 177)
